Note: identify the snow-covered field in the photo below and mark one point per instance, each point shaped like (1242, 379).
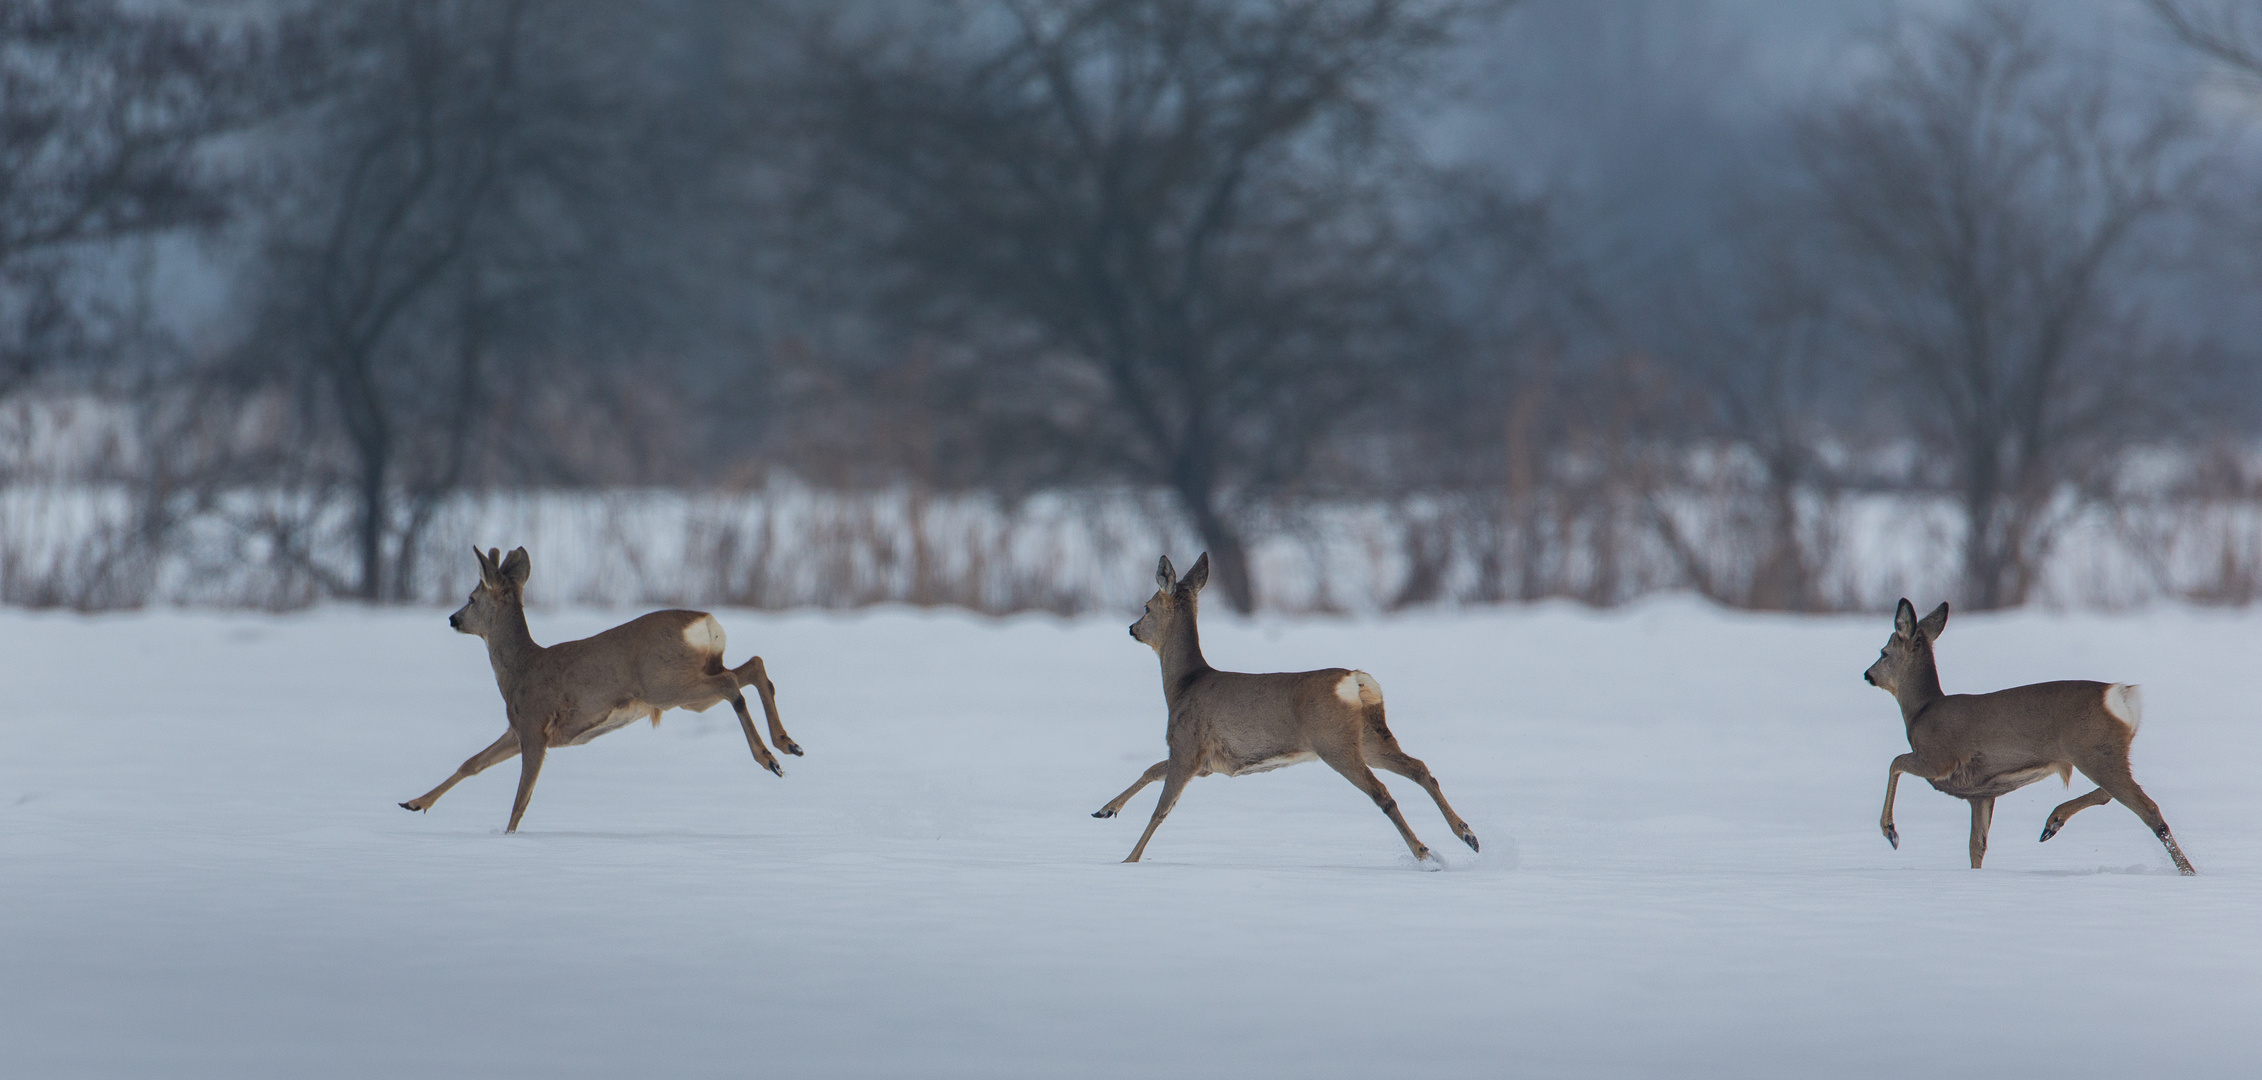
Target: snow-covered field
(203, 872)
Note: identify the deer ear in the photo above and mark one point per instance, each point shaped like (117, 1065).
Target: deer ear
(1198, 576)
(1165, 577)
(1934, 623)
(486, 565)
(514, 568)
(1904, 617)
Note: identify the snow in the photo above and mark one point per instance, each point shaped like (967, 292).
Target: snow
(203, 872)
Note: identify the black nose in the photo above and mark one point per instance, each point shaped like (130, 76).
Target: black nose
(456, 622)
(1865, 678)
(1132, 630)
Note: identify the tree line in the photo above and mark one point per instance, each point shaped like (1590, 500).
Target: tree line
(332, 265)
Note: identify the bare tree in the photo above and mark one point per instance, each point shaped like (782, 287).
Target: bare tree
(104, 109)
(1162, 226)
(1984, 190)
(2228, 32)
(1756, 338)
(454, 220)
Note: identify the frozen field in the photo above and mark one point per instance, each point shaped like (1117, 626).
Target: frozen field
(203, 872)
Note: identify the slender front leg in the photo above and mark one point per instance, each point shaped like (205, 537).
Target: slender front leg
(1982, 816)
(752, 673)
(530, 752)
(1173, 783)
(1152, 774)
(496, 753)
(1885, 820)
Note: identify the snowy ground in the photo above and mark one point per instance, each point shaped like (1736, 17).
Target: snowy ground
(203, 872)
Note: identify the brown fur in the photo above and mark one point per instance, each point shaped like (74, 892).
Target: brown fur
(574, 691)
(1977, 747)
(1235, 723)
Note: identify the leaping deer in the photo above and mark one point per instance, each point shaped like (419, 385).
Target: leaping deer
(1978, 746)
(574, 691)
(1236, 724)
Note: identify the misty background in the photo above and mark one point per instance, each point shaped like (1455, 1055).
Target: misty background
(1797, 305)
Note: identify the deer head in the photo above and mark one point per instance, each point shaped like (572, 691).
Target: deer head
(500, 594)
(1173, 603)
(1910, 645)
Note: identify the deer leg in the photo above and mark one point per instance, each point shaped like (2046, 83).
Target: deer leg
(725, 686)
(1173, 784)
(1892, 781)
(2128, 794)
(530, 753)
(1355, 770)
(1152, 774)
(752, 673)
(1982, 816)
(496, 753)
(1388, 757)
(1906, 763)
(2069, 808)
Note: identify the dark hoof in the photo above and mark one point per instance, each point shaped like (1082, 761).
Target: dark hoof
(1893, 837)
(409, 808)
(2048, 831)
(1471, 840)
(1103, 813)
(793, 748)
(776, 768)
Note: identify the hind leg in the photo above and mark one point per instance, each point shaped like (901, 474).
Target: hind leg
(1383, 753)
(2124, 790)
(2067, 809)
(726, 687)
(1354, 768)
(752, 673)
(497, 752)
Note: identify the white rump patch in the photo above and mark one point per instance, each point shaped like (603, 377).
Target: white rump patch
(1359, 688)
(1348, 689)
(705, 635)
(2126, 704)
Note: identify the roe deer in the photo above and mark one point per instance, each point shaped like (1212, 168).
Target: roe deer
(574, 691)
(1236, 724)
(1979, 746)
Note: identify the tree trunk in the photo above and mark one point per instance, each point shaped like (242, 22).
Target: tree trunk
(369, 529)
(1229, 558)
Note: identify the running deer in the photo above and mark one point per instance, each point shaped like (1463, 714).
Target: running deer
(1978, 746)
(574, 691)
(1236, 724)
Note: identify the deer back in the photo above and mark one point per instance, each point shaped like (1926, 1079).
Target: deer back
(658, 659)
(1245, 722)
(2053, 720)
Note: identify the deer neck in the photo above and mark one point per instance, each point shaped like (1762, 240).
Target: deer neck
(1181, 657)
(511, 647)
(1919, 687)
